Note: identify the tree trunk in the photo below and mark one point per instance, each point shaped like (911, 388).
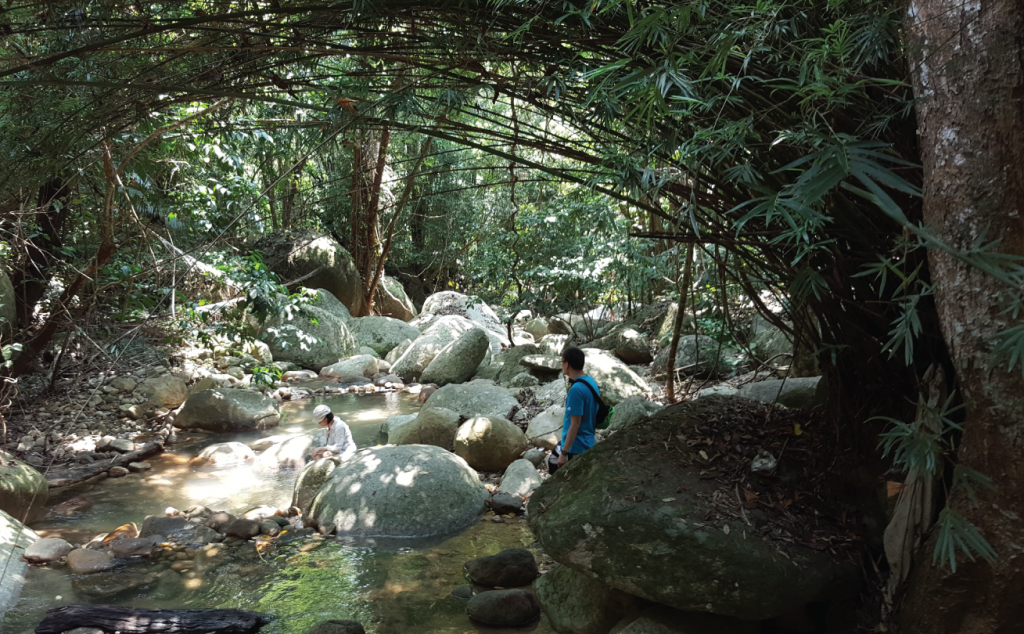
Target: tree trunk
(677, 326)
(128, 620)
(32, 277)
(966, 60)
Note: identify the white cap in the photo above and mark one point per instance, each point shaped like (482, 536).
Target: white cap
(320, 413)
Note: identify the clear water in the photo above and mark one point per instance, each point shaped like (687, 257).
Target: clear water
(392, 587)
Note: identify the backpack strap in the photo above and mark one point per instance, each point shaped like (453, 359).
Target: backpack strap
(597, 399)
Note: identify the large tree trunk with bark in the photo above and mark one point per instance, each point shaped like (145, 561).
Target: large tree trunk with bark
(967, 61)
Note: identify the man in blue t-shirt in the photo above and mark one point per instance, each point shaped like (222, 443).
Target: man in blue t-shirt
(580, 408)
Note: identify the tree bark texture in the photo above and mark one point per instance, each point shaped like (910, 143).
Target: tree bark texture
(31, 277)
(967, 65)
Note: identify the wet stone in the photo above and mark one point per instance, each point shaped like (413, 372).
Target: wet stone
(504, 608)
(510, 568)
(463, 592)
(243, 528)
(117, 472)
(505, 504)
(161, 525)
(108, 585)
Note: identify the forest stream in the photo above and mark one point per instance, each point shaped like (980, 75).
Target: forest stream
(394, 585)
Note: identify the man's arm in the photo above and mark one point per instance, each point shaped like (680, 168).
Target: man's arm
(570, 438)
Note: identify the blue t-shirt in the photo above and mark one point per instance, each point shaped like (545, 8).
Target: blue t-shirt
(580, 402)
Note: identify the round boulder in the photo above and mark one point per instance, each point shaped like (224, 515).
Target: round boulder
(291, 453)
(545, 429)
(310, 479)
(46, 550)
(319, 261)
(504, 608)
(23, 490)
(476, 399)
(521, 478)
(382, 334)
(363, 365)
(403, 491)
(393, 301)
(457, 362)
(228, 409)
(167, 391)
(511, 568)
(434, 426)
(489, 443)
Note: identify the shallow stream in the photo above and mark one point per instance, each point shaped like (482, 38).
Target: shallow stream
(392, 587)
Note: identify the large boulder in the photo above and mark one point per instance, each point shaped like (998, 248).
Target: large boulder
(504, 608)
(457, 362)
(224, 454)
(382, 334)
(576, 603)
(432, 426)
(510, 568)
(319, 261)
(167, 390)
(537, 328)
(545, 429)
(772, 344)
(393, 301)
(228, 409)
(472, 308)
(631, 410)
(311, 335)
(510, 360)
(293, 452)
(614, 378)
(628, 344)
(554, 344)
(364, 365)
(403, 491)
(310, 479)
(15, 538)
(23, 490)
(665, 539)
(521, 478)
(397, 352)
(425, 348)
(473, 399)
(791, 392)
(489, 443)
(697, 354)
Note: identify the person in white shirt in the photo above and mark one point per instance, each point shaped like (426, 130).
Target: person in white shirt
(339, 436)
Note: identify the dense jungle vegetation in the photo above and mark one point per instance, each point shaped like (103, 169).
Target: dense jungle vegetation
(849, 170)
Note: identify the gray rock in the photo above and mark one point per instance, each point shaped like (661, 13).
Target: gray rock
(319, 262)
(219, 521)
(393, 301)
(665, 620)
(542, 362)
(432, 426)
(538, 328)
(615, 380)
(458, 361)
(397, 352)
(123, 384)
(337, 627)
(228, 409)
(168, 390)
(627, 344)
(293, 452)
(791, 392)
(224, 454)
(312, 337)
(23, 490)
(132, 546)
(521, 478)
(510, 568)
(552, 393)
(545, 429)
(524, 379)
(451, 302)
(139, 467)
(509, 361)
(383, 334)
(489, 443)
(15, 539)
(117, 472)
(83, 561)
(361, 365)
(697, 354)
(310, 479)
(535, 456)
(122, 445)
(772, 344)
(473, 400)
(243, 528)
(299, 375)
(161, 525)
(504, 608)
(109, 585)
(578, 604)
(505, 504)
(392, 424)
(425, 348)
(631, 410)
(553, 344)
(46, 550)
(270, 528)
(404, 491)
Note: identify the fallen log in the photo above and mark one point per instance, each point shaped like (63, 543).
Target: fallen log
(74, 475)
(128, 620)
